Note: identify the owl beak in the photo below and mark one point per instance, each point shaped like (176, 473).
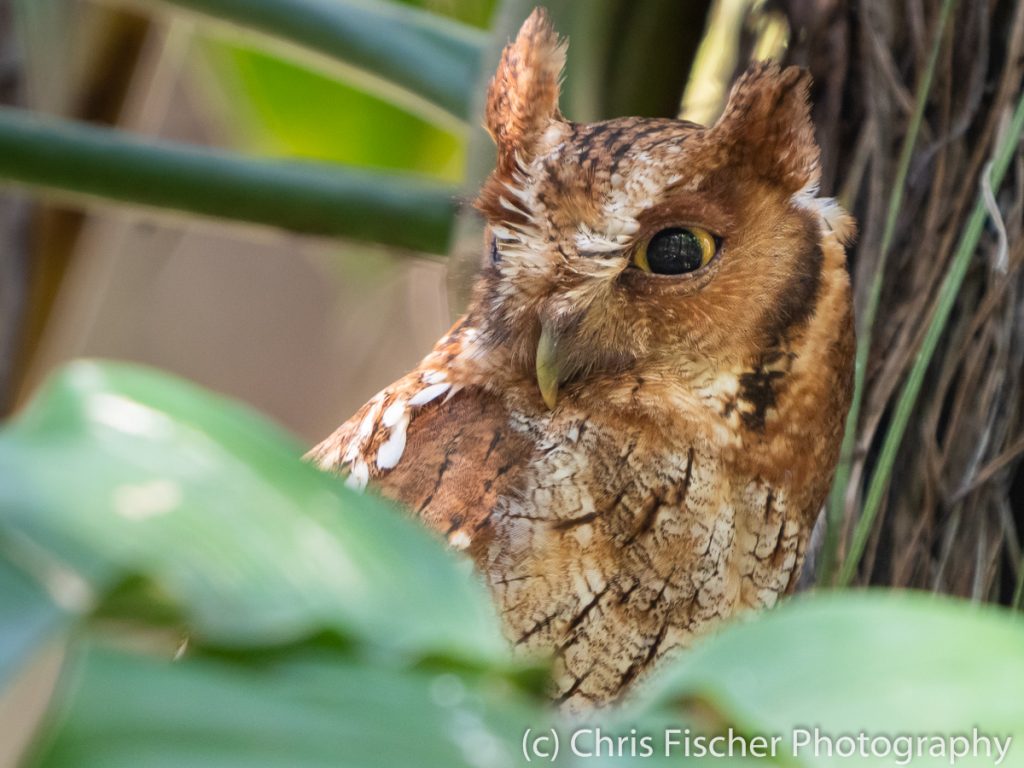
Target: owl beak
(548, 369)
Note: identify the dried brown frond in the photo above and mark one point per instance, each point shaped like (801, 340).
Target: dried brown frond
(954, 513)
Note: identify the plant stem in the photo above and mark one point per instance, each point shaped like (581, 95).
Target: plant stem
(946, 299)
(837, 496)
(424, 54)
(392, 209)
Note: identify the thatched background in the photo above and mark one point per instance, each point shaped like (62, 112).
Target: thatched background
(954, 513)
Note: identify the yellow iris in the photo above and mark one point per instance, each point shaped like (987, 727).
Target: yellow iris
(676, 251)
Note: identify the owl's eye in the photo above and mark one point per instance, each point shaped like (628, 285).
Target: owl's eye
(676, 251)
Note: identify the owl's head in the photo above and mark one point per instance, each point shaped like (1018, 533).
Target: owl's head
(647, 245)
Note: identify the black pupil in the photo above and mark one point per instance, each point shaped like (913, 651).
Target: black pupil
(674, 252)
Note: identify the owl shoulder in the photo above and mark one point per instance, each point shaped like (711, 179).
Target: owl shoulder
(445, 453)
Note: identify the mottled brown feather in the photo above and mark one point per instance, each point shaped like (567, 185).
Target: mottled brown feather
(466, 458)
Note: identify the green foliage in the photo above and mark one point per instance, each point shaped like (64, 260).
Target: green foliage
(118, 472)
(398, 210)
(884, 662)
(406, 55)
(27, 617)
(281, 108)
(429, 58)
(305, 707)
(323, 628)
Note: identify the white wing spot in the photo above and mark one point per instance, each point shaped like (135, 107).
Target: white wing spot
(359, 476)
(427, 394)
(393, 414)
(434, 377)
(391, 450)
(351, 452)
(369, 421)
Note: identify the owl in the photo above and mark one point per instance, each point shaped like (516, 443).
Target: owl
(632, 429)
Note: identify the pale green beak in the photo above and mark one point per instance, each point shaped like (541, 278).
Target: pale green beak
(548, 367)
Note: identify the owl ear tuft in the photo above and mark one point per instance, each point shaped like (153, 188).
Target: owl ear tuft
(767, 126)
(522, 98)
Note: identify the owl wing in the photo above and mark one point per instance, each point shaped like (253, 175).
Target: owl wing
(445, 454)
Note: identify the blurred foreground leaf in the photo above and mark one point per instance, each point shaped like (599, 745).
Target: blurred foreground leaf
(884, 663)
(117, 472)
(306, 708)
(427, 56)
(280, 108)
(28, 617)
(325, 629)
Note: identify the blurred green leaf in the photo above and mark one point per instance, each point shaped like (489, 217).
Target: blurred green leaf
(280, 108)
(476, 13)
(116, 471)
(305, 708)
(391, 209)
(885, 663)
(28, 616)
(427, 56)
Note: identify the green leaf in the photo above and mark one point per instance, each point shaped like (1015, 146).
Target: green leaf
(28, 616)
(392, 209)
(282, 109)
(306, 708)
(119, 472)
(884, 663)
(427, 57)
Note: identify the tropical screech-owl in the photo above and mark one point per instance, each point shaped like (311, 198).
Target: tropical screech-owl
(632, 429)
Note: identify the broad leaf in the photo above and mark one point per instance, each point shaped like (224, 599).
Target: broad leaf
(283, 109)
(430, 58)
(305, 708)
(116, 472)
(882, 663)
(28, 615)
